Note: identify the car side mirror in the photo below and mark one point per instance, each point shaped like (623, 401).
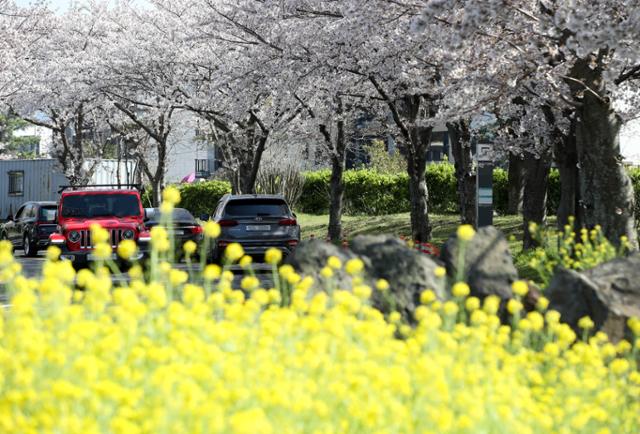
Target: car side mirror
(204, 217)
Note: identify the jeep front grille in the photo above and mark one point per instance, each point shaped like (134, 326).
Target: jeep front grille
(114, 234)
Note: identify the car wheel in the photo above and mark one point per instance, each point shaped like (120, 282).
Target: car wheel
(30, 248)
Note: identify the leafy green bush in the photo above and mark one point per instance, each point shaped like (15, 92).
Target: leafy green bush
(443, 189)
(315, 196)
(570, 250)
(372, 193)
(202, 197)
(500, 190)
(198, 198)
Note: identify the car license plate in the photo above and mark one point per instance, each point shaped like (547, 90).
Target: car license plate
(258, 227)
(177, 231)
(92, 257)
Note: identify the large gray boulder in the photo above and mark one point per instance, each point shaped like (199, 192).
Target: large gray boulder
(608, 293)
(408, 271)
(311, 256)
(488, 264)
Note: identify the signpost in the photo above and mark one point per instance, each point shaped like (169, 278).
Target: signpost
(484, 185)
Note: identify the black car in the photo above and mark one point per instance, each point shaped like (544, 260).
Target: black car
(256, 221)
(31, 226)
(184, 226)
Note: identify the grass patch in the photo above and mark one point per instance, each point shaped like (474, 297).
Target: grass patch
(444, 225)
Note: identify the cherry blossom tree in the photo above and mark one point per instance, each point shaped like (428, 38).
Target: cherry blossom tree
(588, 54)
(50, 89)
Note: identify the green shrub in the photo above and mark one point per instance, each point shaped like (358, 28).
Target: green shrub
(315, 196)
(198, 198)
(500, 191)
(202, 197)
(372, 193)
(443, 189)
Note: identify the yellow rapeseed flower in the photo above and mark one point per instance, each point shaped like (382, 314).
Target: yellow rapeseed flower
(460, 289)
(585, 323)
(520, 288)
(334, 262)
(245, 261)
(514, 306)
(326, 272)
(171, 195)
(233, 252)
(212, 272)
(273, 256)
(440, 272)
(53, 253)
(382, 285)
(98, 233)
(189, 247)
(354, 266)
(103, 251)
(427, 296)
(211, 229)
(127, 248)
(466, 232)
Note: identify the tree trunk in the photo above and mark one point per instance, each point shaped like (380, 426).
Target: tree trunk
(566, 159)
(338, 152)
(336, 203)
(605, 188)
(516, 184)
(418, 191)
(536, 180)
(460, 136)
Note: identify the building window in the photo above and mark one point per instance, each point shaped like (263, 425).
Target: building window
(16, 183)
(202, 168)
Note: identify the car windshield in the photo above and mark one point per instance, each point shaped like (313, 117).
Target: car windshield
(101, 205)
(47, 214)
(256, 208)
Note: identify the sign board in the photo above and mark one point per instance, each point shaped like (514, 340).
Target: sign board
(484, 185)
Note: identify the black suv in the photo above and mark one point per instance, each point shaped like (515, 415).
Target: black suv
(31, 226)
(257, 222)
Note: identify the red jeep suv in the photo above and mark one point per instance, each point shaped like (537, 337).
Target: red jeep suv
(118, 210)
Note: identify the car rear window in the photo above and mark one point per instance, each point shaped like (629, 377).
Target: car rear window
(178, 215)
(100, 205)
(47, 214)
(256, 207)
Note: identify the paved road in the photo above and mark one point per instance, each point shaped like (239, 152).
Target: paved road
(31, 267)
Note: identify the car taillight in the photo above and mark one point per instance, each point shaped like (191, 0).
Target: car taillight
(196, 229)
(292, 243)
(288, 222)
(228, 223)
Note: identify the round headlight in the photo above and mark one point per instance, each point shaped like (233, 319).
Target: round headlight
(128, 234)
(74, 236)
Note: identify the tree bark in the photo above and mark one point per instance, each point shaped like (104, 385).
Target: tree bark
(516, 184)
(536, 181)
(460, 135)
(338, 164)
(605, 188)
(566, 158)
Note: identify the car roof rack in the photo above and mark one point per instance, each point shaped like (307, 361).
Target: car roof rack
(77, 187)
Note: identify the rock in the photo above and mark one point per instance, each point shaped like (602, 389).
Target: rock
(488, 264)
(408, 272)
(311, 256)
(385, 257)
(609, 294)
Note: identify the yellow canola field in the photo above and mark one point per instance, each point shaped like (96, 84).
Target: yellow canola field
(168, 356)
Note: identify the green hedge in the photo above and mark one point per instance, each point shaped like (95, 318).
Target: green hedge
(368, 192)
(199, 197)
(372, 193)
